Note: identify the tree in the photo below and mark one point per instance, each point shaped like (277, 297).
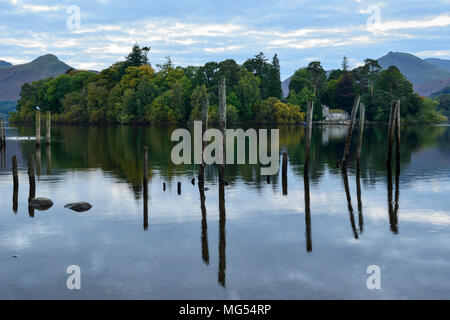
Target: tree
(345, 67)
(345, 93)
(374, 69)
(274, 89)
(137, 57)
(249, 94)
(317, 74)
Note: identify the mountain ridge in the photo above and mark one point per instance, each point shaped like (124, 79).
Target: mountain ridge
(13, 77)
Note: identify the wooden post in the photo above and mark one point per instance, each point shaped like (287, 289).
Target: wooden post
(48, 134)
(38, 161)
(31, 179)
(15, 183)
(48, 151)
(284, 172)
(3, 142)
(397, 142)
(145, 165)
(222, 124)
(307, 212)
(205, 109)
(145, 189)
(350, 129)
(362, 111)
(38, 128)
(222, 236)
(391, 130)
(358, 194)
(179, 188)
(204, 236)
(309, 116)
(164, 186)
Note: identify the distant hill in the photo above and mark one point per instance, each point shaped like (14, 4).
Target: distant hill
(4, 64)
(446, 90)
(440, 63)
(425, 77)
(14, 76)
(6, 107)
(285, 87)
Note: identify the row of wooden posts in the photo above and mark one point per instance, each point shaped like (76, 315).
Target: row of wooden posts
(394, 122)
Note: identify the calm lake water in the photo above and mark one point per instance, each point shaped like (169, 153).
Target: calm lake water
(255, 244)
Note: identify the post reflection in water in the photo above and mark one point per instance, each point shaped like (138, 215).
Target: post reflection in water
(349, 203)
(222, 236)
(358, 194)
(204, 237)
(48, 152)
(307, 213)
(38, 161)
(145, 194)
(393, 207)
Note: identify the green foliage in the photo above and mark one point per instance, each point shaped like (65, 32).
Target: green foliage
(131, 91)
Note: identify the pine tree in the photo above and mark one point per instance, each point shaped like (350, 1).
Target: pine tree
(274, 79)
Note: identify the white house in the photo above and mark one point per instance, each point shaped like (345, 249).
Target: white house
(334, 114)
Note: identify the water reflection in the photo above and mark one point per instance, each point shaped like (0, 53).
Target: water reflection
(104, 166)
(307, 213)
(222, 236)
(349, 202)
(204, 236)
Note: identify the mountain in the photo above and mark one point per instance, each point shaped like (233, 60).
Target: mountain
(440, 63)
(285, 87)
(426, 78)
(13, 77)
(4, 64)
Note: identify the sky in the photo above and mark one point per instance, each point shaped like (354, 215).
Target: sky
(93, 34)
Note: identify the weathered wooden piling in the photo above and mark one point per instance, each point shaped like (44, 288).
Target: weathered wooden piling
(31, 179)
(3, 138)
(309, 116)
(307, 213)
(222, 237)
(204, 235)
(164, 186)
(284, 172)
(362, 111)
(145, 187)
(38, 161)
(205, 109)
(222, 125)
(391, 130)
(179, 188)
(145, 165)
(398, 136)
(15, 183)
(350, 129)
(48, 128)
(38, 128)
(48, 152)
(360, 206)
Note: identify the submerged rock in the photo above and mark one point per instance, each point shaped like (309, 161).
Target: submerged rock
(78, 206)
(41, 203)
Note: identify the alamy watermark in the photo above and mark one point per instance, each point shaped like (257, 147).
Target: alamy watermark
(73, 282)
(374, 280)
(213, 152)
(74, 20)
